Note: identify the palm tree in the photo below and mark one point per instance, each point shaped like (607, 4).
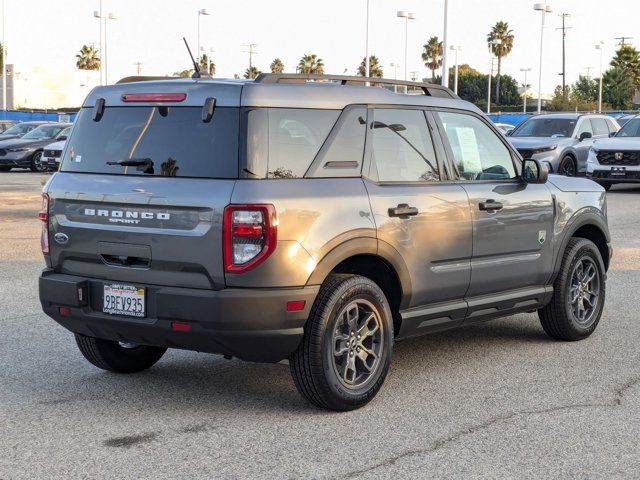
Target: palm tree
(432, 56)
(501, 48)
(252, 72)
(311, 64)
(204, 61)
(277, 66)
(375, 69)
(88, 58)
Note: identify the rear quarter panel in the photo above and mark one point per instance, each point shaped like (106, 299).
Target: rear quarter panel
(314, 217)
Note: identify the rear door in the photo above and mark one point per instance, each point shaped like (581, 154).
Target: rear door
(512, 220)
(420, 217)
(140, 194)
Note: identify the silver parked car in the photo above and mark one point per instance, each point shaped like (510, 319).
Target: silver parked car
(309, 218)
(617, 159)
(561, 140)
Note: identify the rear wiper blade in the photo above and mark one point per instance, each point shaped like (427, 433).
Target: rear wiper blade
(133, 162)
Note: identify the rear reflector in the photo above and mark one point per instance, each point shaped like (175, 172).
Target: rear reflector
(296, 306)
(153, 97)
(65, 311)
(180, 327)
(43, 216)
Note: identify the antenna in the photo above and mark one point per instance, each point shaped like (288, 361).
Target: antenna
(196, 71)
(623, 40)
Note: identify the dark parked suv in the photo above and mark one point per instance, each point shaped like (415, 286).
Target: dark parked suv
(309, 218)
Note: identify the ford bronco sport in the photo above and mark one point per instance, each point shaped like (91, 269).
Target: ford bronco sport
(311, 218)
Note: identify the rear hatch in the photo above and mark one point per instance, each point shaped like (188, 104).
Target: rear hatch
(143, 184)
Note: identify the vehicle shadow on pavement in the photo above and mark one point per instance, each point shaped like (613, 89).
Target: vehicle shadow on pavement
(191, 381)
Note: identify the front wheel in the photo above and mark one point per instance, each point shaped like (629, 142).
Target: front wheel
(345, 353)
(119, 357)
(578, 293)
(5, 168)
(36, 163)
(568, 167)
(606, 185)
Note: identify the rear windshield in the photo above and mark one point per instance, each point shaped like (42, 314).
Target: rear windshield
(160, 141)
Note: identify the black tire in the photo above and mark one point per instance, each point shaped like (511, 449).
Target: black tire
(36, 166)
(4, 168)
(606, 185)
(315, 366)
(568, 167)
(559, 318)
(114, 357)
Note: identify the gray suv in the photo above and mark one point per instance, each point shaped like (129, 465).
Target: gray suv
(562, 140)
(317, 219)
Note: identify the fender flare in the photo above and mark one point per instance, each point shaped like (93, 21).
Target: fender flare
(586, 216)
(365, 246)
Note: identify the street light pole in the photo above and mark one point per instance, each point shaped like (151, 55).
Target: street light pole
(407, 16)
(524, 96)
(445, 41)
(491, 43)
(366, 45)
(544, 9)
(456, 48)
(4, 66)
(600, 47)
(201, 12)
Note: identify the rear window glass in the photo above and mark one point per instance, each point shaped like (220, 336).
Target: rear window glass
(160, 141)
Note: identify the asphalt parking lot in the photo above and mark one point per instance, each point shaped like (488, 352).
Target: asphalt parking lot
(494, 400)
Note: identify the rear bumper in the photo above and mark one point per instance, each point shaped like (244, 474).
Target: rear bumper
(251, 324)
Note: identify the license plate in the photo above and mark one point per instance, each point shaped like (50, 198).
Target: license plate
(123, 300)
(619, 171)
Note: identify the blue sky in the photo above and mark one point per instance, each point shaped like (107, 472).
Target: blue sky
(49, 33)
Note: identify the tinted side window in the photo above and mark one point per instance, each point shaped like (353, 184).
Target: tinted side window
(295, 137)
(599, 126)
(402, 147)
(477, 150)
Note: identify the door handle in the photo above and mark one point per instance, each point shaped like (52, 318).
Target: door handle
(403, 211)
(490, 206)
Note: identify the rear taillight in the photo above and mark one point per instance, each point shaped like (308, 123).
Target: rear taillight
(250, 236)
(153, 97)
(43, 215)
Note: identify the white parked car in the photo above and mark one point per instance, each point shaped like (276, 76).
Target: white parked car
(52, 153)
(616, 159)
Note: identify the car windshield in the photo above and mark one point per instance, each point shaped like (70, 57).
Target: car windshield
(19, 129)
(546, 127)
(630, 129)
(43, 132)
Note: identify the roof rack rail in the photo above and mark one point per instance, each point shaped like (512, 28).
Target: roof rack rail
(140, 78)
(429, 89)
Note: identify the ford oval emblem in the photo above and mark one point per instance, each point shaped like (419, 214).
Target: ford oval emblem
(61, 238)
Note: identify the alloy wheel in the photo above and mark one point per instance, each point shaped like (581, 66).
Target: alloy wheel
(357, 343)
(584, 291)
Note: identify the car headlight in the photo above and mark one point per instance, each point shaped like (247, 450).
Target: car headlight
(544, 149)
(20, 149)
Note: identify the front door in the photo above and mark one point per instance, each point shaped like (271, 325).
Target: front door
(419, 218)
(512, 220)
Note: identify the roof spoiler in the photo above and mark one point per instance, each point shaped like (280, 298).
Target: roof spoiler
(429, 89)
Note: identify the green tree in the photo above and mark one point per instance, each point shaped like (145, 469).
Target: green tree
(432, 56)
(585, 90)
(502, 34)
(627, 59)
(88, 58)
(252, 72)
(311, 64)
(617, 88)
(203, 61)
(277, 66)
(375, 69)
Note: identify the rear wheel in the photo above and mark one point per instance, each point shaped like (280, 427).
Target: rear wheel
(568, 167)
(36, 163)
(119, 357)
(578, 293)
(346, 350)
